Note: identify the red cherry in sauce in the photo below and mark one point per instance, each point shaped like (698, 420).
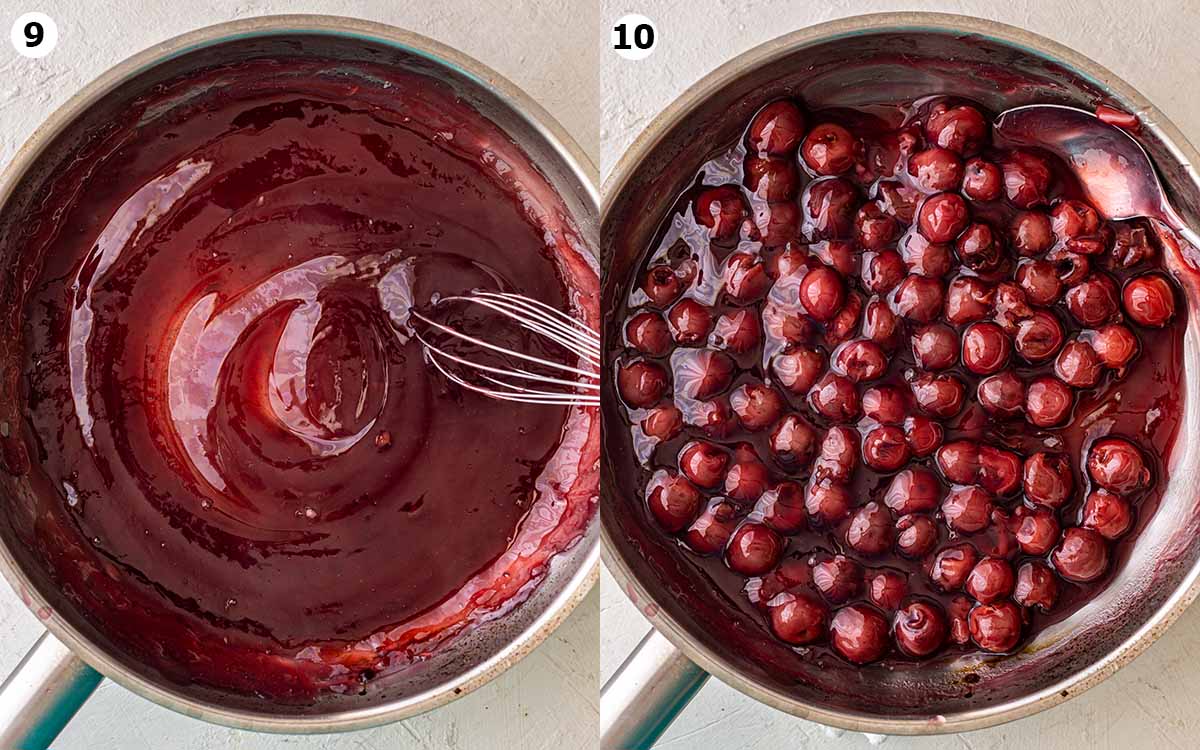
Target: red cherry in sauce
(886, 589)
(942, 217)
(924, 435)
(703, 463)
(924, 257)
(1078, 365)
(1093, 301)
(916, 535)
(690, 322)
(885, 448)
(1002, 394)
(701, 374)
(1047, 479)
(1107, 514)
(961, 128)
(829, 149)
(777, 129)
(782, 508)
(1038, 337)
(885, 404)
(641, 383)
(938, 394)
(757, 406)
(936, 169)
(1036, 586)
(663, 422)
(1117, 465)
(838, 578)
(861, 360)
(978, 248)
(793, 441)
(952, 565)
(870, 530)
(745, 278)
(985, 348)
(1072, 218)
(673, 501)
(918, 298)
(1039, 280)
(914, 490)
(1149, 300)
(1031, 233)
(967, 509)
(1081, 556)
(828, 206)
(880, 323)
(712, 529)
(838, 455)
(737, 331)
(721, 210)
(1036, 530)
(882, 271)
(1027, 178)
(859, 633)
(875, 229)
(1115, 345)
(754, 549)
(920, 628)
(982, 180)
(797, 369)
(773, 224)
(995, 627)
(968, 299)
(822, 293)
(990, 580)
(800, 620)
(835, 398)
(746, 480)
(935, 346)
(771, 178)
(1048, 401)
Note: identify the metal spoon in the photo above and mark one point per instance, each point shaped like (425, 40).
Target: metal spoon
(1115, 172)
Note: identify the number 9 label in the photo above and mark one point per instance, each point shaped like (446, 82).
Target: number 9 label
(634, 37)
(34, 35)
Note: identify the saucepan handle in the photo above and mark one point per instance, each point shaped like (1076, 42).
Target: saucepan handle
(646, 693)
(42, 694)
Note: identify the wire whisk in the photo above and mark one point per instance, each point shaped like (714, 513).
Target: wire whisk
(557, 384)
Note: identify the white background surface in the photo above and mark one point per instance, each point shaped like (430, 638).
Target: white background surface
(549, 700)
(1154, 702)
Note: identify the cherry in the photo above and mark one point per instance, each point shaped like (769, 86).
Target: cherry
(860, 360)
(838, 456)
(999, 470)
(885, 448)
(737, 331)
(961, 128)
(968, 299)
(1072, 218)
(721, 210)
(1133, 243)
(703, 463)
(920, 628)
(782, 508)
(822, 293)
(939, 395)
(886, 404)
(880, 323)
(787, 323)
(757, 406)
(828, 206)
(924, 435)
(959, 461)
(827, 502)
(985, 348)
(873, 228)
(1031, 233)
(775, 224)
(1048, 401)
(990, 580)
(776, 129)
(793, 441)
(924, 257)
(1027, 178)
(1039, 280)
(1036, 530)
(1115, 345)
(870, 530)
(772, 178)
(709, 533)
(886, 589)
(918, 298)
(859, 633)
(838, 578)
(1078, 365)
(915, 535)
(746, 480)
(882, 271)
(745, 278)
(956, 611)
(663, 422)
(952, 565)
(1072, 267)
(1011, 307)
(789, 260)
(995, 627)
(641, 383)
(1093, 301)
(843, 325)
(797, 369)
(1107, 514)
(835, 398)
(942, 217)
(1036, 586)
(800, 619)
(935, 347)
(673, 501)
(936, 169)
(898, 200)
(1094, 244)
(1149, 300)
(967, 509)
(838, 255)
(714, 418)
(1047, 479)
(1038, 337)
(753, 549)
(1081, 556)
(914, 490)
(1002, 394)
(979, 248)
(647, 332)
(1117, 465)
(690, 322)
(701, 373)
(982, 180)
(662, 286)
(829, 149)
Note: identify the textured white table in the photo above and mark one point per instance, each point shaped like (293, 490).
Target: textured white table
(1154, 702)
(549, 700)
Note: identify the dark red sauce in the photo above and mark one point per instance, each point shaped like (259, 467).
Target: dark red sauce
(247, 474)
(762, 278)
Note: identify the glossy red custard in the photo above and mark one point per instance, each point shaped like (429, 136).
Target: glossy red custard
(896, 390)
(248, 475)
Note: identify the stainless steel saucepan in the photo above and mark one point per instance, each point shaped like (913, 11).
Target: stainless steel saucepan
(65, 665)
(870, 59)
